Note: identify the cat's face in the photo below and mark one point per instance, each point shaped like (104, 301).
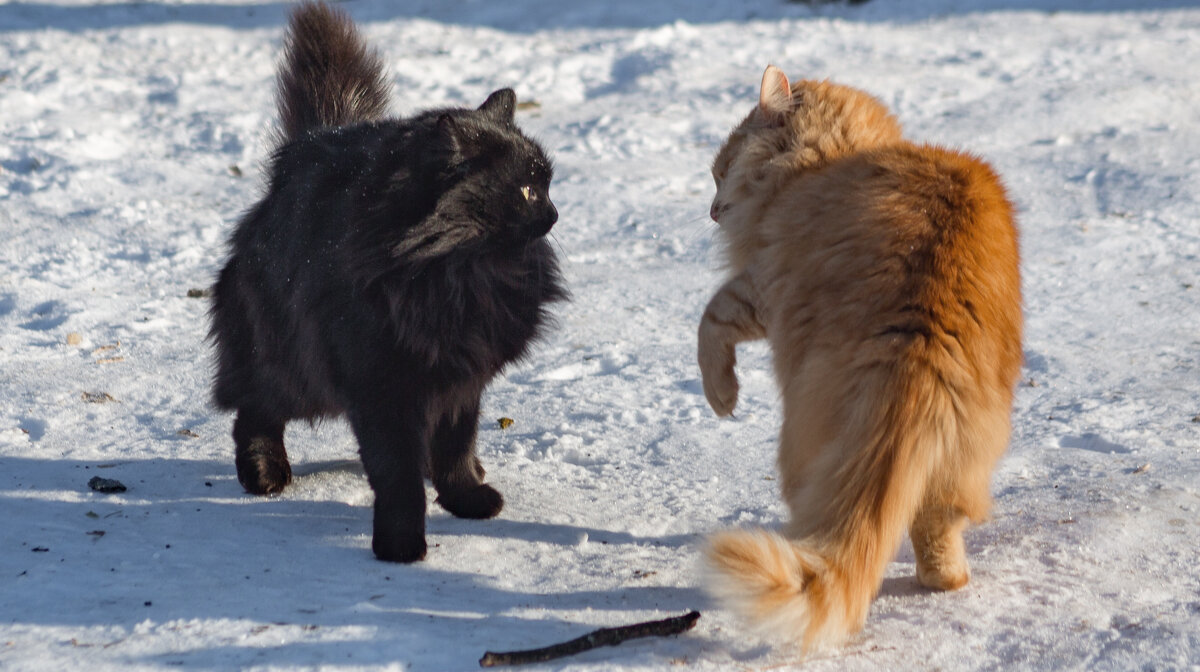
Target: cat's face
(794, 128)
(742, 164)
(520, 184)
(505, 176)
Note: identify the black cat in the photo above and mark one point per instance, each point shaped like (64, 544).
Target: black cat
(393, 267)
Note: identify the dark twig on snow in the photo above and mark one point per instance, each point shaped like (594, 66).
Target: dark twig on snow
(592, 640)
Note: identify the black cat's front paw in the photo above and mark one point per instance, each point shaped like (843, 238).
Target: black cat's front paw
(398, 548)
(262, 466)
(480, 501)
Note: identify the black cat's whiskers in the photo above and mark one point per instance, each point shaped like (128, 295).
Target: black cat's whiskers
(556, 242)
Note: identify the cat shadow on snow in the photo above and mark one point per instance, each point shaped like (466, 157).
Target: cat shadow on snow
(558, 534)
(198, 551)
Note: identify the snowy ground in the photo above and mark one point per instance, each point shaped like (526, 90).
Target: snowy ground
(133, 134)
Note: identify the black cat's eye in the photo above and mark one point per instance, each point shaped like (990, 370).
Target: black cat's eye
(529, 193)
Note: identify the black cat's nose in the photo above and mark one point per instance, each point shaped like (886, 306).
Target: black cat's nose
(546, 221)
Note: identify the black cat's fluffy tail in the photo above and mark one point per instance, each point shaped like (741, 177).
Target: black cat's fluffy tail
(329, 76)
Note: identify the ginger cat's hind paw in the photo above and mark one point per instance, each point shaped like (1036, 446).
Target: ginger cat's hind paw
(948, 574)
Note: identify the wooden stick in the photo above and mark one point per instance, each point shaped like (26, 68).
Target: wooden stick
(592, 640)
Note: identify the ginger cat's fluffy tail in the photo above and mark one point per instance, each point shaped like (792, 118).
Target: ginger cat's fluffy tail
(790, 590)
(863, 488)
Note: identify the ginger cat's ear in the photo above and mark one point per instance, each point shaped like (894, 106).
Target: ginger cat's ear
(775, 96)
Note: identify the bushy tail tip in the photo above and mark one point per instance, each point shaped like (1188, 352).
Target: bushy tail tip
(784, 589)
(329, 76)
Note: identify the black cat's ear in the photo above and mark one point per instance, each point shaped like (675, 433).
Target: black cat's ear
(500, 105)
(449, 129)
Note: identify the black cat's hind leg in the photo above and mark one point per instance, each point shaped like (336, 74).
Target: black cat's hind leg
(457, 473)
(260, 457)
(393, 455)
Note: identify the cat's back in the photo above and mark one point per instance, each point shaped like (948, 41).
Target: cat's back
(894, 194)
(906, 245)
(324, 161)
(947, 216)
(930, 207)
(937, 191)
(322, 189)
(957, 290)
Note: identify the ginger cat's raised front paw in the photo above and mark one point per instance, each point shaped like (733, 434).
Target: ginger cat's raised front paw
(721, 390)
(716, 368)
(729, 319)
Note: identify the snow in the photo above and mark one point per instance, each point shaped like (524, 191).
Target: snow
(134, 135)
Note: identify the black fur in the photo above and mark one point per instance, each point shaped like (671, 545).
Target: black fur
(391, 270)
(329, 77)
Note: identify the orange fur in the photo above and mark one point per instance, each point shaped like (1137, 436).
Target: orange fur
(885, 276)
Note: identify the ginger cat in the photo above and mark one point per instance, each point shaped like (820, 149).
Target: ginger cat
(885, 276)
